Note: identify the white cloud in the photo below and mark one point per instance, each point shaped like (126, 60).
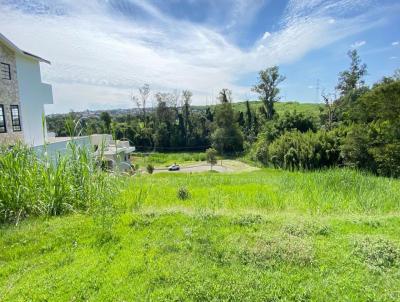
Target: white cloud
(98, 58)
(266, 35)
(358, 44)
(395, 43)
(393, 58)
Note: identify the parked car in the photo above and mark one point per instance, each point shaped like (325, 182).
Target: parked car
(174, 167)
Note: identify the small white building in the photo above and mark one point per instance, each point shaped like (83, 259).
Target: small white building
(22, 96)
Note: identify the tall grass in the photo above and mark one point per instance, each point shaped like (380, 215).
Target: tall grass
(33, 185)
(267, 190)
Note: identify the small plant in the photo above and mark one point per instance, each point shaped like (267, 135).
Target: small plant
(183, 193)
(150, 168)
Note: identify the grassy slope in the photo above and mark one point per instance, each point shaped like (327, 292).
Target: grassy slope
(259, 236)
(281, 107)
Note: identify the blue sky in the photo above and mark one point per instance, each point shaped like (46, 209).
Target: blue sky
(103, 50)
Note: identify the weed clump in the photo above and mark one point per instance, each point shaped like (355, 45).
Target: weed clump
(306, 229)
(183, 193)
(272, 252)
(150, 169)
(248, 220)
(377, 253)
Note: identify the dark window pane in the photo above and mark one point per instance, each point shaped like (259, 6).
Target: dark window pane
(2, 120)
(15, 118)
(5, 71)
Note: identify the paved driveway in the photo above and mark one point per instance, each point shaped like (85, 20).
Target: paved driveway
(227, 166)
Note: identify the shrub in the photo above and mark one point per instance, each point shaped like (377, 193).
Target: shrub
(261, 152)
(150, 168)
(296, 150)
(355, 147)
(183, 193)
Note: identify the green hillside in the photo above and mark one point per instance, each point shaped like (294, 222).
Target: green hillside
(312, 109)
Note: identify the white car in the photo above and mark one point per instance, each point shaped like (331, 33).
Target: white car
(174, 167)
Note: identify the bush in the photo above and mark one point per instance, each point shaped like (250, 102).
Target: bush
(296, 150)
(355, 148)
(261, 152)
(150, 168)
(33, 185)
(183, 193)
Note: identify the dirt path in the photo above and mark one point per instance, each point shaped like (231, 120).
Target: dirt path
(202, 166)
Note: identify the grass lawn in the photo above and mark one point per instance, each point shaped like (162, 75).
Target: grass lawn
(159, 159)
(266, 235)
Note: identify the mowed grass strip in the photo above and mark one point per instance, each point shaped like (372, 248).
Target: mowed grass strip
(259, 236)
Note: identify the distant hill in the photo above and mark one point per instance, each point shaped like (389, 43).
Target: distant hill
(312, 109)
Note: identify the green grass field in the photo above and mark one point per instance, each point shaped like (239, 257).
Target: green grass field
(266, 235)
(311, 109)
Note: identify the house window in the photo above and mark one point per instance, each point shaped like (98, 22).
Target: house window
(3, 128)
(16, 121)
(5, 71)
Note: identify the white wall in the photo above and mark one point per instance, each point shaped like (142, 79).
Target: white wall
(33, 95)
(61, 147)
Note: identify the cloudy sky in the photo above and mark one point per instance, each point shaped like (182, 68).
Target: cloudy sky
(103, 50)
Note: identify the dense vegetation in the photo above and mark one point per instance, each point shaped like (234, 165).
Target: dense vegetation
(268, 235)
(35, 184)
(360, 128)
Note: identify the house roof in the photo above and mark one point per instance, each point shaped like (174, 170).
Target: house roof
(15, 48)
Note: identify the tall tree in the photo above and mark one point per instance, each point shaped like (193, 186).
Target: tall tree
(225, 96)
(144, 94)
(186, 112)
(248, 119)
(267, 88)
(330, 110)
(227, 136)
(106, 119)
(352, 79)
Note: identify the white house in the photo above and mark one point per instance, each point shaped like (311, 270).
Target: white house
(22, 99)
(22, 95)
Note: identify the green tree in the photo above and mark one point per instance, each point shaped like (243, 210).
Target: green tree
(267, 88)
(106, 119)
(211, 155)
(352, 78)
(186, 114)
(227, 136)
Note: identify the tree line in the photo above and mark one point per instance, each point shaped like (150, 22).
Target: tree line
(360, 127)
